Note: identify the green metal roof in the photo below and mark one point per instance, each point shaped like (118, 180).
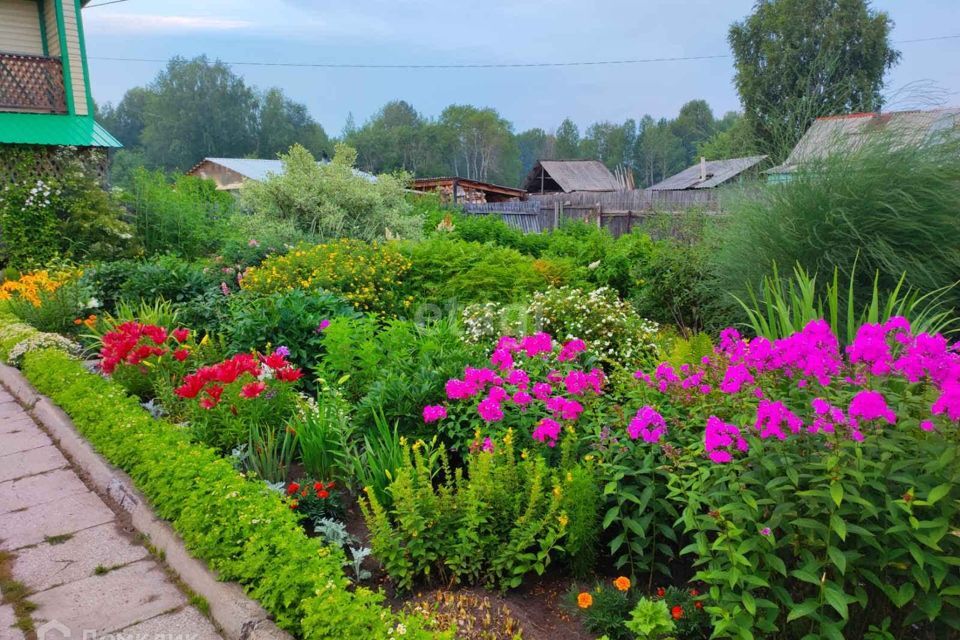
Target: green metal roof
(65, 130)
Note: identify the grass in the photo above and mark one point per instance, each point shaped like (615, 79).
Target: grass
(15, 594)
(60, 539)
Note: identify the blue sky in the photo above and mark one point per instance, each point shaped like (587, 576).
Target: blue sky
(491, 31)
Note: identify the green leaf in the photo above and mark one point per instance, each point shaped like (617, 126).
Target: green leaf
(749, 603)
(805, 608)
(839, 526)
(836, 492)
(612, 513)
(905, 595)
(836, 599)
(839, 560)
(806, 576)
(938, 493)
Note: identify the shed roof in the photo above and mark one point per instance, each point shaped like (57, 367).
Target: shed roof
(574, 175)
(432, 183)
(847, 133)
(54, 129)
(718, 172)
(255, 169)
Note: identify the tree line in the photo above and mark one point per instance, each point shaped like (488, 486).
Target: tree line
(795, 60)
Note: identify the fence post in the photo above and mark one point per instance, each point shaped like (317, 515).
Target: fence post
(556, 215)
(599, 215)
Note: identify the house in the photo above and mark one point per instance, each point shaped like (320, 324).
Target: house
(569, 176)
(45, 98)
(847, 133)
(462, 190)
(231, 173)
(709, 174)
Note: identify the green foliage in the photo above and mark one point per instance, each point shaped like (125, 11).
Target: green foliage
(671, 285)
(446, 271)
(251, 538)
(331, 200)
(785, 306)
(608, 610)
(397, 368)
(288, 318)
(167, 277)
(270, 452)
(325, 433)
(886, 208)
(479, 228)
(493, 524)
(179, 218)
(797, 60)
(650, 620)
(57, 310)
(246, 239)
(67, 215)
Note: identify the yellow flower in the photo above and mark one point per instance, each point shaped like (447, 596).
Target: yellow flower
(622, 583)
(584, 600)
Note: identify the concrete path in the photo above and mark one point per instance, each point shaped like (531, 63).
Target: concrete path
(85, 574)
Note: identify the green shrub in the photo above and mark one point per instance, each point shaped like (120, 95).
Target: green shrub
(672, 287)
(332, 201)
(890, 208)
(492, 524)
(483, 229)
(179, 218)
(289, 318)
(246, 239)
(167, 277)
(242, 530)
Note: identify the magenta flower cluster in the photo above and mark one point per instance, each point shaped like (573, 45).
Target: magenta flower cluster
(809, 359)
(509, 385)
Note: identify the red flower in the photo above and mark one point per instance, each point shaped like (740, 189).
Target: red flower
(181, 355)
(292, 488)
(323, 494)
(208, 403)
(294, 504)
(275, 361)
(698, 604)
(694, 593)
(253, 389)
(289, 374)
(677, 612)
(181, 334)
(214, 391)
(318, 486)
(661, 592)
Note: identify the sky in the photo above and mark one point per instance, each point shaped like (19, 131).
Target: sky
(421, 32)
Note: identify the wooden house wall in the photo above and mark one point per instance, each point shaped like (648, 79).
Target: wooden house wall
(20, 27)
(77, 79)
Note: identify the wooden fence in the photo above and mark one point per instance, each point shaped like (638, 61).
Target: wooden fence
(619, 212)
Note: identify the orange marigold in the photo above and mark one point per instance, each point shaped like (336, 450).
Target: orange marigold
(622, 583)
(584, 600)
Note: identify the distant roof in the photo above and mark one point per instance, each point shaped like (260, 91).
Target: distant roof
(574, 175)
(847, 133)
(50, 129)
(718, 172)
(432, 183)
(258, 170)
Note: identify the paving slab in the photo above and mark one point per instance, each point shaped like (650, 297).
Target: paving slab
(49, 565)
(111, 602)
(28, 463)
(23, 440)
(63, 515)
(9, 408)
(39, 489)
(188, 624)
(21, 422)
(7, 620)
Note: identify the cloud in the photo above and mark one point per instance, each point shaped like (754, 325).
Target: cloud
(142, 23)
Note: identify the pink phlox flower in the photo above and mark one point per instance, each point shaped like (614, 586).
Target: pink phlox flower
(519, 378)
(578, 382)
(640, 375)
(870, 405)
(542, 391)
(665, 376)
(564, 408)
(927, 425)
(487, 445)
(870, 348)
(693, 381)
(502, 359)
(813, 352)
(497, 394)
(735, 378)
(771, 418)
(490, 410)
(554, 376)
(927, 355)
(570, 350)
(537, 344)
(432, 413)
(547, 431)
(720, 438)
(647, 424)
(521, 398)
(948, 402)
(460, 389)
(509, 343)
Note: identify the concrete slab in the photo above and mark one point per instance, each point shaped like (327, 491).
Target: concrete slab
(39, 489)
(104, 604)
(23, 440)
(18, 423)
(49, 565)
(7, 620)
(9, 409)
(186, 623)
(64, 515)
(26, 463)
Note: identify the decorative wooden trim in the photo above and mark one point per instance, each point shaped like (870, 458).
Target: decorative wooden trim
(83, 60)
(43, 26)
(64, 56)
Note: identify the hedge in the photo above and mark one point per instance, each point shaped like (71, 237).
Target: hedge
(240, 528)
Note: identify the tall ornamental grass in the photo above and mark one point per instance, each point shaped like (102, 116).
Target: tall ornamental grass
(891, 208)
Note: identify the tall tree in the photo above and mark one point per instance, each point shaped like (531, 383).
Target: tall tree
(797, 60)
(283, 123)
(609, 143)
(568, 141)
(693, 125)
(534, 145)
(126, 120)
(483, 147)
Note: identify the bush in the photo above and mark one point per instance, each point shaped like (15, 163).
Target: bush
(672, 286)
(367, 275)
(446, 271)
(888, 207)
(483, 229)
(54, 302)
(291, 319)
(179, 218)
(395, 369)
(492, 525)
(331, 200)
(615, 335)
(246, 239)
(168, 277)
(251, 538)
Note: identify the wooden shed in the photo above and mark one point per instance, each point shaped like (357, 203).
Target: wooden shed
(569, 176)
(462, 190)
(231, 173)
(708, 174)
